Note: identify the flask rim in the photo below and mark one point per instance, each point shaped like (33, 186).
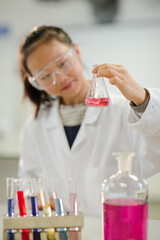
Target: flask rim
(131, 154)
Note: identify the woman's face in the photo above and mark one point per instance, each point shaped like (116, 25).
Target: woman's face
(70, 86)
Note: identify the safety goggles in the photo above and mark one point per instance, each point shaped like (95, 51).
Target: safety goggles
(49, 74)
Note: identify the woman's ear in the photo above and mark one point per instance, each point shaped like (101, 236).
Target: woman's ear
(76, 48)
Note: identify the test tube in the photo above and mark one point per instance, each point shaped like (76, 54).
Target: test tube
(73, 195)
(73, 231)
(59, 206)
(21, 205)
(10, 204)
(32, 184)
(46, 205)
(56, 196)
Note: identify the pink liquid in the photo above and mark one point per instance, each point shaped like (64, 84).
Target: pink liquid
(125, 221)
(22, 212)
(73, 232)
(97, 102)
(73, 203)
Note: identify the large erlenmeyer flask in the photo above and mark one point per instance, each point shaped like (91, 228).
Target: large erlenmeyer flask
(97, 94)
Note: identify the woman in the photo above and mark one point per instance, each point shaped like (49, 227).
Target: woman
(64, 138)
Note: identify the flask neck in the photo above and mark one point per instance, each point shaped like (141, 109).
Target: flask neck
(124, 161)
(124, 165)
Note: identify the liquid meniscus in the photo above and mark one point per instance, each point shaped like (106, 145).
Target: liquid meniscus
(93, 102)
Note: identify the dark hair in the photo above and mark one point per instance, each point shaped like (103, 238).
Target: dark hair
(38, 36)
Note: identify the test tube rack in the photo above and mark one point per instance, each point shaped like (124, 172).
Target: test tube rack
(69, 222)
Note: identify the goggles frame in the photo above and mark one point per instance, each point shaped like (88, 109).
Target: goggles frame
(32, 79)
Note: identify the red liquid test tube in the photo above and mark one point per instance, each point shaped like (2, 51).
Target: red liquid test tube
(21, 206)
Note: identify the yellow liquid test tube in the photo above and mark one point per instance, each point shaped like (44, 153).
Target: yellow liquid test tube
(46, 206)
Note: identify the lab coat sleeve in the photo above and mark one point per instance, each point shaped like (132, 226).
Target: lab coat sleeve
(149, 127)
(28, 164)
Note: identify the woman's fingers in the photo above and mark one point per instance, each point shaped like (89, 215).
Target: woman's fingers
(106, 66)
(115, 81)
(110, 72)
(120, 77)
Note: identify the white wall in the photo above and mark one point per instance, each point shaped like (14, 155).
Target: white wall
(19, 16)
(133, 40)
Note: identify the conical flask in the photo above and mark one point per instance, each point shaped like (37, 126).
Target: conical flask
(124, 198)
(97, 94)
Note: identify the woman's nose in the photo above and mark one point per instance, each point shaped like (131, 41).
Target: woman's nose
(60, 78)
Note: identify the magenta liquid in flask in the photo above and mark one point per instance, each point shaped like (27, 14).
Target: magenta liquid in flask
(124, 199)
(97, 94)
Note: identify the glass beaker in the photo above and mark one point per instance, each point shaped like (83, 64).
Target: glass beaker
(97, 94)
(124, 199)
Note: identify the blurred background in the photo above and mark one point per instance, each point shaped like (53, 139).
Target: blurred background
(115, 31)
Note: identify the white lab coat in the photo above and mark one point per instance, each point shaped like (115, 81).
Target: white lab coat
(45, 152)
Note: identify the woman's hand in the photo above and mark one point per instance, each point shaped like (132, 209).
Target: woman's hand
(120, 77)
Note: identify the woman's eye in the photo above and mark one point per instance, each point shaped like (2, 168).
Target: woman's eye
(46, 76)
(62, 64)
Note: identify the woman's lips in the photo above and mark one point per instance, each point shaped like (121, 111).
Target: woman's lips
(68, 86)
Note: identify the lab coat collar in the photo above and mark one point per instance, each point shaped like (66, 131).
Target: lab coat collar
(91, 115)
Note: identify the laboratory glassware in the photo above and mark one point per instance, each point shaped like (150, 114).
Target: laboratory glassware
(19, 184)
(44, 197)
(10, 196)
(55, 184)
(57, 196)
(73, 195)
(46, 205)
(124, 199)
(33, 191)
(73, 231)
(10, 204)
(97, 94)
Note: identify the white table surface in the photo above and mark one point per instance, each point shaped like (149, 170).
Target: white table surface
(92, 227)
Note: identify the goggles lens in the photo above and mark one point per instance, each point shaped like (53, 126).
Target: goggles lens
(63, 65)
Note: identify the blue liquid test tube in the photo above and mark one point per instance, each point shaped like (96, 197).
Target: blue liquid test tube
(58, 205)
(10, 204)
(32, 182)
